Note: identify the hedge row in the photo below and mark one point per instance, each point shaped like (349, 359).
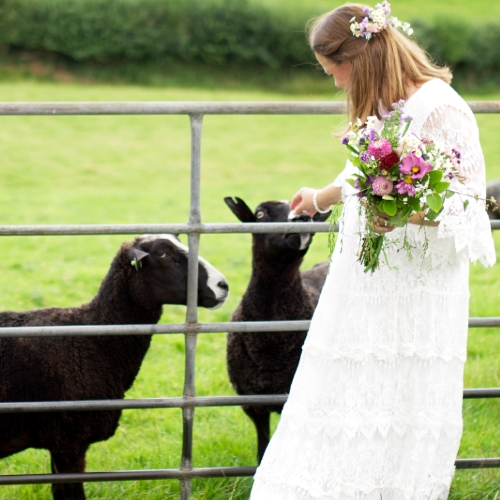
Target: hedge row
(472, 50)
(207, 31)
(215, 32)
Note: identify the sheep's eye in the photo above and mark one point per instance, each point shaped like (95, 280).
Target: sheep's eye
(163, 255)
(259, 214)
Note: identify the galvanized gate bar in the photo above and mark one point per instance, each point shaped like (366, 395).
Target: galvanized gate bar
(172, 328)
(184, 402)
(195, 108)
(209, 228)
(142, 403)
(484, 106)
(93, 229)
(484, 322)
(209, 472)
(477, 463)
(192, 304)
(132, 475)
(476, 393)
(172, 108)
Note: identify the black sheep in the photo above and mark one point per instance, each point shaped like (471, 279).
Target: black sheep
(265, 363)
(144, 275)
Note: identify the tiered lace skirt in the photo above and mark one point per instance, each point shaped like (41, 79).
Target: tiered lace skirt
(375, 409)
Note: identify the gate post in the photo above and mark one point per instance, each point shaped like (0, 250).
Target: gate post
(192, 303)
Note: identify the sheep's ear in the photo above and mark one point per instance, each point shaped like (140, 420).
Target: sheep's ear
(240, 209)
(136, 256)
(321, 217)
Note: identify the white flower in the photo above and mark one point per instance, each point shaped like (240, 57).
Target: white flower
(411, 143)
(370, 122)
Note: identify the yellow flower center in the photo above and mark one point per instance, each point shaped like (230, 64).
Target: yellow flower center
(415, 170)
(408, 180)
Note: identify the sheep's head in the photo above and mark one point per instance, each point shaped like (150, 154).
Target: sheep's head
(159, 266)
(285, 248)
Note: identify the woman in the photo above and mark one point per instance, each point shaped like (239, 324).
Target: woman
(375, 409)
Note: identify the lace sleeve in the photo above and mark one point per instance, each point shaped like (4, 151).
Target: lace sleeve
(454, 128)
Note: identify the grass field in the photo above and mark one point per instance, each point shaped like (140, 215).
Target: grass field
(136, 170)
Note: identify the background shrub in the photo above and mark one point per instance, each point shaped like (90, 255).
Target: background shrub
(208, 31)
(214, 32)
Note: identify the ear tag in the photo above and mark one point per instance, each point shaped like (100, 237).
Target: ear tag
(138, 256)
(136, 263)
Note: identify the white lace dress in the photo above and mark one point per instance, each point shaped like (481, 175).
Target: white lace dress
(375, 408)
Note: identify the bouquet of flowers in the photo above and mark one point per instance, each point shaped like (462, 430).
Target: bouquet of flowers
(399, 175)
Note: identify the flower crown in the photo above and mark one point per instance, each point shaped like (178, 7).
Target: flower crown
(378, 19)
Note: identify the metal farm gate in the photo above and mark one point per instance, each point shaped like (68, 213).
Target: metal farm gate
(191, 328)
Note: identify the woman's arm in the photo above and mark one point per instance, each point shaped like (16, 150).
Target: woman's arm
(302, 201)
(418, 218)
(331, 195)
(380, 222)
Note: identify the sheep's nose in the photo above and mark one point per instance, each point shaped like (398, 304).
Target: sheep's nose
(223, 285)
(302, 218)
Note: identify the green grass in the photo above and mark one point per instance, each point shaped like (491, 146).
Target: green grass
(124, 169)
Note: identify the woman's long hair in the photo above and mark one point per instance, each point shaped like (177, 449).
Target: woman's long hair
(381, 66)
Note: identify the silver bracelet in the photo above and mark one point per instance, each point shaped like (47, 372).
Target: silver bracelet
(315, 204)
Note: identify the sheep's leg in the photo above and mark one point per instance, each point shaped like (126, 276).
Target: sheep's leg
(262, 425)
(67, 462)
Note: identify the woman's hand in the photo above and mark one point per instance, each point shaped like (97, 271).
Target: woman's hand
(418, 218)
(302, 201)
(380, 223)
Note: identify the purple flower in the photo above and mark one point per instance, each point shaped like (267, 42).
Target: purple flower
(458, 154)
(382, 185)
(405, 186)
(365, 157)
(451, 175)
(364, 26)
(345, 140)
(414, 166)
(370, 134)
(379, 148)
(369, 179)
(357, 185)
(398, 105)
